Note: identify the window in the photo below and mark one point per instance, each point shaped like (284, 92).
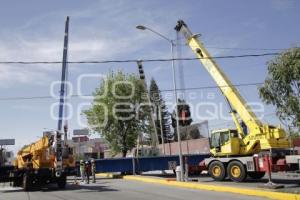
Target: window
(225, 137)
(215, 140)
(234, 133)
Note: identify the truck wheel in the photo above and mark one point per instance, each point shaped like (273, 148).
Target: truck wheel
(217, 171)
(256, 175)
(61, 182)
(27, 182)
(236, 171)
(17, 182)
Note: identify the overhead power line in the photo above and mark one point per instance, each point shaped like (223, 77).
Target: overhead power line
(135, 60)
(213, 87)
(246, 49)
(86, 95)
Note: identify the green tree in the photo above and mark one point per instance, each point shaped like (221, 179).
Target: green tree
(115, 111)
(282, 86)
(161, 110)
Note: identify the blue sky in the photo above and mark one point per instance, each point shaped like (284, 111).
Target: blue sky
(100, 30)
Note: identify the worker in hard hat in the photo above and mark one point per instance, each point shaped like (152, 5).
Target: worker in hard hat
(87, 171)
(93, 166)
(82, 171)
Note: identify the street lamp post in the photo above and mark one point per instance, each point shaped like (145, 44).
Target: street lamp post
(141, 27)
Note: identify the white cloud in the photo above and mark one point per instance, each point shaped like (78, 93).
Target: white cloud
(282, 5)
(41, 39)
(12, 76)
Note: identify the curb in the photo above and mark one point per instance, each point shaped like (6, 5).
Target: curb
(218, 188)
(109, 175)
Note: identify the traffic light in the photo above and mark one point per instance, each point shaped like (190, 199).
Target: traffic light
(184, 114)
(141, 70)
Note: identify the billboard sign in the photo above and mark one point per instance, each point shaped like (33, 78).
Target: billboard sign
(81, 132)
(7, 142)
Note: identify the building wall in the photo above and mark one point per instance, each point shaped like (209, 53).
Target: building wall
(85, 148)
(196, 146)
(6, 157)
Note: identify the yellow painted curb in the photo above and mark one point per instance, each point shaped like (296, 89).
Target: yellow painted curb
(219, 188)
(109, 175)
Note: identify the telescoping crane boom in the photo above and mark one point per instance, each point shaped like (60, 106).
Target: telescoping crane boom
(49, 159)
(250, 149)
(260, 136)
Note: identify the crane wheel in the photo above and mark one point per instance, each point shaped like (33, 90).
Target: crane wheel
(27, 182)
(236, 171)
(256, 175)
(62, 181)
(217, 171)
(17, 183)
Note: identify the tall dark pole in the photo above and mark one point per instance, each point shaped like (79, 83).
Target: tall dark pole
(141, 27)
(63, 77)
(154, 138)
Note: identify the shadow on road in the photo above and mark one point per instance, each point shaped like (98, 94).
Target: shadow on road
(83, 188)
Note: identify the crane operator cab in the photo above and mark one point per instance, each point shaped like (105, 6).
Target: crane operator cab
(224, 142)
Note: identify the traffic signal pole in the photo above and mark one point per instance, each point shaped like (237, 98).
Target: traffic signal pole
(154, 137)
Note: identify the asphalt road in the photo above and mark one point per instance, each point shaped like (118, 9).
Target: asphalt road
(115, 189)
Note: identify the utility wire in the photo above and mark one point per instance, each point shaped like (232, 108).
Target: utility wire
(213, 87)
(235, 48)
(246, 49)
(135, 60)
(165, 90)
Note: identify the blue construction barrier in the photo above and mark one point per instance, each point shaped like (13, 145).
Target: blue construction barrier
(114, 165)
(144, 164)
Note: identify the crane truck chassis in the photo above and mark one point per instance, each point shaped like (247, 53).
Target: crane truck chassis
(255, 167)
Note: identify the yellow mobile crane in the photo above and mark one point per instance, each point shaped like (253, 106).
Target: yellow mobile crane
(48, 160)
(235, 151)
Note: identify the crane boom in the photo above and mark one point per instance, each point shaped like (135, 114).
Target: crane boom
(225, 85)
(259, 136)
(63, 77)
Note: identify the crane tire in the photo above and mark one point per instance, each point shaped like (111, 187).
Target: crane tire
(217, 170)
(236, 171)
(62, 181)
(27, 182)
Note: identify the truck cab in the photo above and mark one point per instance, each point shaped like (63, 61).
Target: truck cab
(224, 142)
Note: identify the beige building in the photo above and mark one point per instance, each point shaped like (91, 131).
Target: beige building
(86, 148)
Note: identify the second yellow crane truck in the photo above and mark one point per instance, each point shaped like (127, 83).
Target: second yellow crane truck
(251, 150)
(50, 159)
(47, 160)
